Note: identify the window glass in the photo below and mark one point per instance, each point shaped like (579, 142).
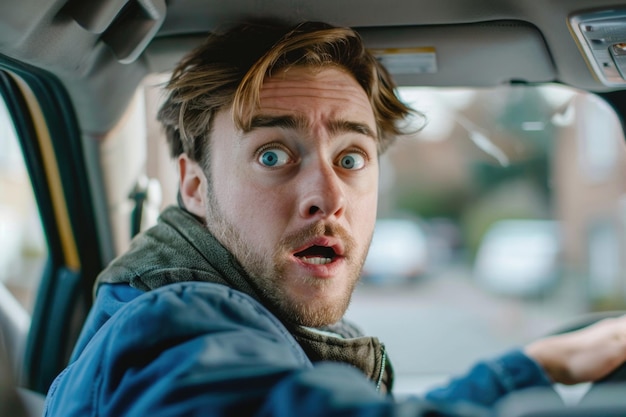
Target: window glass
(500, 221)
(23, 250)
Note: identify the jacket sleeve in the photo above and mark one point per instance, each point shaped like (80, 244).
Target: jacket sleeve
(198, 349)
(489, 381)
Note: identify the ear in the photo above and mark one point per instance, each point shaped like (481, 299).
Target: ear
(193, 185)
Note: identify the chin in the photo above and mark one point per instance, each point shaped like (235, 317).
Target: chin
(318, 312)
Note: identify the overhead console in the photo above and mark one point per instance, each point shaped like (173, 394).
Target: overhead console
(601, 36)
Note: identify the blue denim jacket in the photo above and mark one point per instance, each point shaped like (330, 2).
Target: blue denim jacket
(198, 348)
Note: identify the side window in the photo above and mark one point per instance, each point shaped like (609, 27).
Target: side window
(52, 232)
(23, 249)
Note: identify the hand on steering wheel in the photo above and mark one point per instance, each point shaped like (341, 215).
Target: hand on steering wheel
(588, 354)
(590, 350)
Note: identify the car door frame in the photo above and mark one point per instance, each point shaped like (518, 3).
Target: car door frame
(49, 136)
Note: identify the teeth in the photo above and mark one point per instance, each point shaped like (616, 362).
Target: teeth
(316, 261)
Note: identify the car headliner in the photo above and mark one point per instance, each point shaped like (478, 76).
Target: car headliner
(478, 42)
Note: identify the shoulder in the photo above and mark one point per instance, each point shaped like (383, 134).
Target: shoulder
(185, 309)
(181, 312)
(195, 333)
(197, 307)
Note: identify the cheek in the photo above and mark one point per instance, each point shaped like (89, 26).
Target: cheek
(362, 212)
(367, 215)
(260, 214)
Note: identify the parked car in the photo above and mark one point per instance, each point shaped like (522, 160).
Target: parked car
(520, 258)
(398, 252)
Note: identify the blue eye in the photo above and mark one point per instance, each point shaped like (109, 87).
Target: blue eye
(273, 158)
(352, 160)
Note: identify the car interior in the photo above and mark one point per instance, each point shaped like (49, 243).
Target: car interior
(85, 168)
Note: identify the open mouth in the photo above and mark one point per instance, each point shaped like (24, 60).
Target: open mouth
(317, 255)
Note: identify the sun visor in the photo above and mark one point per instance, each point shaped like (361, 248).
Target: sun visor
(164, 53)
(477, 54)
(473, 55)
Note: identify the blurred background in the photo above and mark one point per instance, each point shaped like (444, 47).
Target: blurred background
(515, 197)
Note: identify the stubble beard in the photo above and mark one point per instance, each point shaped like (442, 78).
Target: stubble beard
(267, 271)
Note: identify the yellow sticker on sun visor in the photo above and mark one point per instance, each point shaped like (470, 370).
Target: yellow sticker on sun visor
(408, 60)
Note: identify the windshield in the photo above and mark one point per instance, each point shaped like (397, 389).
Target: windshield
(500, 221)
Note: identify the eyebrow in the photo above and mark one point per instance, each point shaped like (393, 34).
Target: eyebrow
(336, 126)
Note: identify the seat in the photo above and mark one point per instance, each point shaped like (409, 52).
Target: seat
(14, 401)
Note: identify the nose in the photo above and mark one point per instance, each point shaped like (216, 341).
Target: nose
(323, 193)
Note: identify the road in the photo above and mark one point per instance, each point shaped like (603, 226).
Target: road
(441, 325)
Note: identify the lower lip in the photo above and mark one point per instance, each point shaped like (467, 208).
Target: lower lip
(328, 270)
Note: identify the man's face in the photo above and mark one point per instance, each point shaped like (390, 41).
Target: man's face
(294, 199)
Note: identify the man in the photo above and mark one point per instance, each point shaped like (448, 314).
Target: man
(233, 303)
